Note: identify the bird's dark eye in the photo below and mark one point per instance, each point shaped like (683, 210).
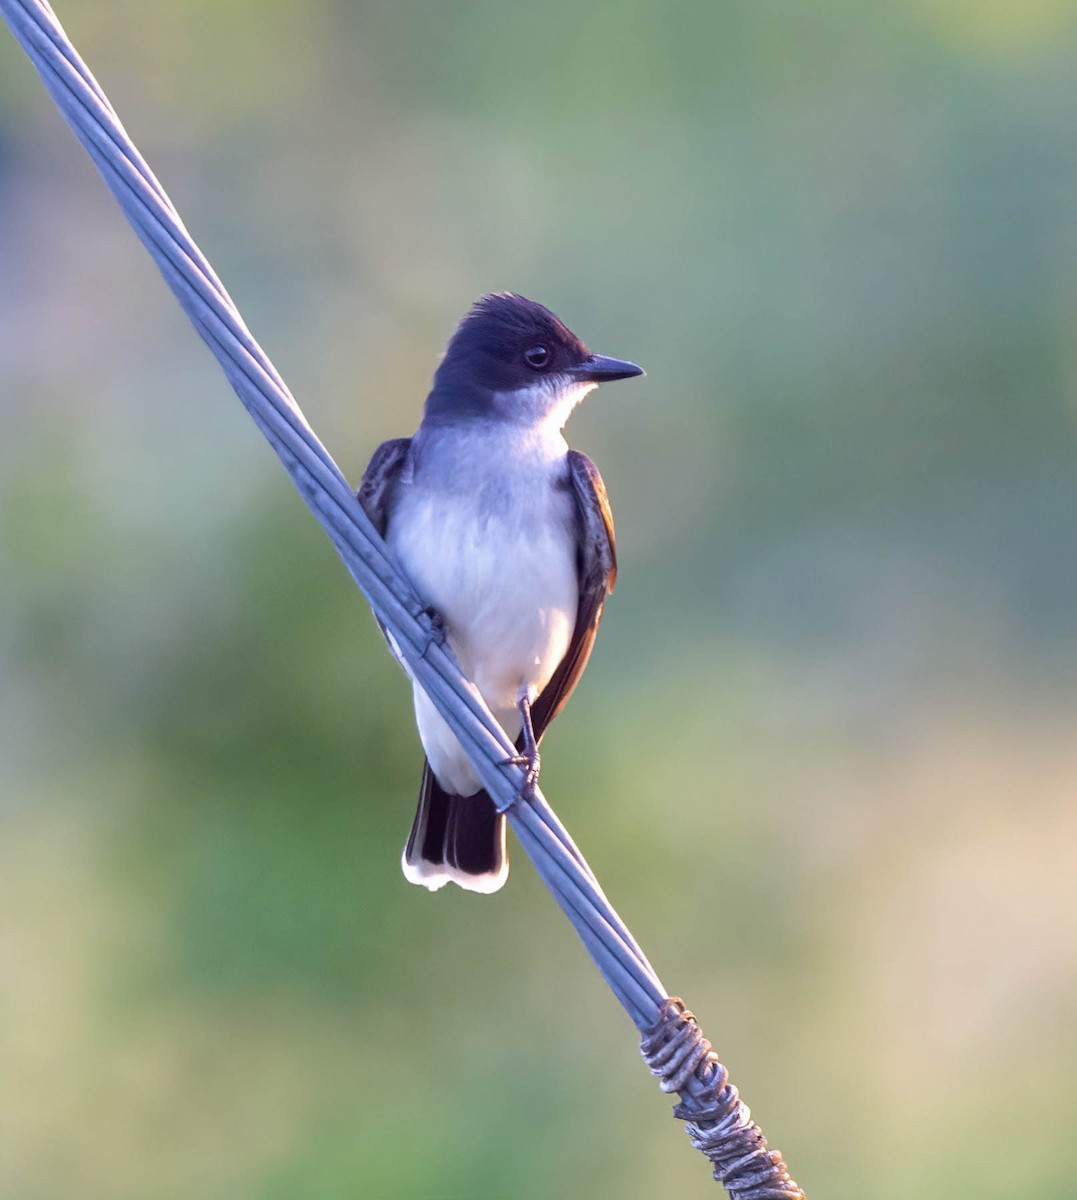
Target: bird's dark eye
(537, 357)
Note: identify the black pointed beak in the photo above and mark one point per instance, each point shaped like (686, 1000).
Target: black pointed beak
(597, 368)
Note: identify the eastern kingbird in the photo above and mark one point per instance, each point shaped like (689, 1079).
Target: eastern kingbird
(507, 534)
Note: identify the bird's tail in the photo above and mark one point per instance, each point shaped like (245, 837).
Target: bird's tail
(458, 839)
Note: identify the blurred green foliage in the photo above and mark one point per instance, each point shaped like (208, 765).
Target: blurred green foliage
(823, 759)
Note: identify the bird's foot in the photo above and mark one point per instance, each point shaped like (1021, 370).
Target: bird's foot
(434, 624)
(529, 752)
(532, 763)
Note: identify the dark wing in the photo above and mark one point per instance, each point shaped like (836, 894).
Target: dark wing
(596, 565)
(381, 476)
(376, 488)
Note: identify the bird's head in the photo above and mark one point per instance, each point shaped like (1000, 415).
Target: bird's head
(513, 360)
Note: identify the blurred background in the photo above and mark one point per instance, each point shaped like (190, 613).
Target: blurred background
(824, 759)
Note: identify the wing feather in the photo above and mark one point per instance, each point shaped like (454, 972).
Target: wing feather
(375, 493)
(597, 571)
(381, 476)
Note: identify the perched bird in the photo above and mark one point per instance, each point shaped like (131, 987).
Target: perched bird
(507, 534)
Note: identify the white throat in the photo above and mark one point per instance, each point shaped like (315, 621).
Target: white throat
(546, 405)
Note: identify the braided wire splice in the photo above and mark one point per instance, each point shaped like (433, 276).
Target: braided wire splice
(718, 1122)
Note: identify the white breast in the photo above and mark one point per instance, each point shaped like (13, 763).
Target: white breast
(491, 545)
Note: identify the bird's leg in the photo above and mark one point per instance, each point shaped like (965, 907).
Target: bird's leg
(529, 756)
(531, 750)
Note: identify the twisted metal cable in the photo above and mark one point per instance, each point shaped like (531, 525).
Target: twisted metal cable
(672, 1044)
(718, 1122)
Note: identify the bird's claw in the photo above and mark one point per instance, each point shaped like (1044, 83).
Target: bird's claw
(529, 752)
(532, 763)
(434, 624)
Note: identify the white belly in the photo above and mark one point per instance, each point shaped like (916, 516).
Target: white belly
(507, 589)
